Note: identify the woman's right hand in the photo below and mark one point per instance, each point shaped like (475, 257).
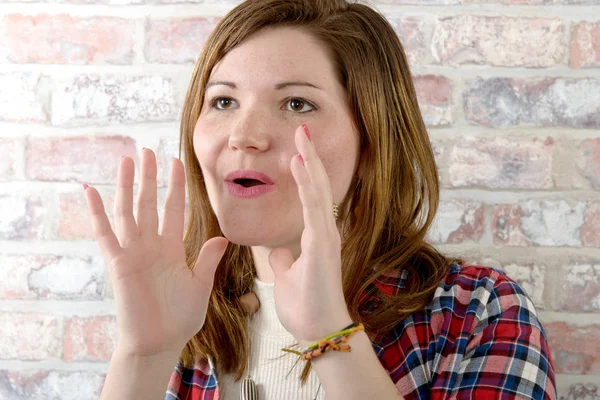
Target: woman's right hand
(160, 303)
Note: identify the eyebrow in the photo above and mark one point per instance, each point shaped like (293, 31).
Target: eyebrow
(278, 86)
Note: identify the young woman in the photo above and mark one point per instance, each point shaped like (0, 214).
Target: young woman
(312, 185)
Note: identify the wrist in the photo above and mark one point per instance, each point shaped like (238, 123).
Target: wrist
(334, 326)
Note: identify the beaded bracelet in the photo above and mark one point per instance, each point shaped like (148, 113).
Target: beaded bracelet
(335, 342)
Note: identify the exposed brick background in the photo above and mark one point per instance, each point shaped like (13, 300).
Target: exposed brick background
(509, 91)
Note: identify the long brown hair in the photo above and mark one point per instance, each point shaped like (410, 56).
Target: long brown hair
(395, 192)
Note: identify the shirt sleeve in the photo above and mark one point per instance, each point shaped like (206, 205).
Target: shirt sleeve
(507, 354)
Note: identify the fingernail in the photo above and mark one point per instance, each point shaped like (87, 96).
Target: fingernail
(300, 158)
(306, 131)
(85, 186)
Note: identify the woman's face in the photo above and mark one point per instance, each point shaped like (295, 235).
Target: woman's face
(256, 98)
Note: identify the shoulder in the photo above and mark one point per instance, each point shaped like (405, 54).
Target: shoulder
(479, 326)
(472, 298)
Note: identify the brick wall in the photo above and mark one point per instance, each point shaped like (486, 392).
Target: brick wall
(510, 90)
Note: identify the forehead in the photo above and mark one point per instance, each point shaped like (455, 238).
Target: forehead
(275, 54)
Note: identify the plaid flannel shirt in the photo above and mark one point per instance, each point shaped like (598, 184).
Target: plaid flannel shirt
(479, 337)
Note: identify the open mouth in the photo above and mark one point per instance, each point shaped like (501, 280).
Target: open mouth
(246, 182)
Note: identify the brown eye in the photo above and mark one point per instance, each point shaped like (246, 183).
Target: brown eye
(298, 104)
(223, 102)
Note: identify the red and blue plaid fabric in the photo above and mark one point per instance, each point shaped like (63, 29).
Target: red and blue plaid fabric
(478, 338)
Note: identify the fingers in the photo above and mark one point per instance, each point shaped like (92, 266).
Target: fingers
(147, 214)
(103, 233)
(314, 188)
(210, 255)
(125, 224)
(175, 204)
(312, 162)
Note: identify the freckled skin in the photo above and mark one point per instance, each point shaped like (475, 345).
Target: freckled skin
(254, 129)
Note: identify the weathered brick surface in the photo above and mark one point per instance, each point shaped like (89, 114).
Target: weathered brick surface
(499, 41)
(102, 100)
(178, 40)
(412, 34)
(538, 223)
(585, 45)
(590, 231)
(31, 277)
(22, 217)
(50, 385)
(478, 68)
(18, 100)
(64, 39)
(575, 349)
(90, 339)
(435, 99)
(29, 336)
(586, 389)
(80, 159)
(508, 163)
(580, 288)
(457, 222)
(589, 152)
(502, 102)
(531, 278)
(12, 152)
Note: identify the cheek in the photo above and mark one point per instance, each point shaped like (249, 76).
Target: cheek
(204, 148)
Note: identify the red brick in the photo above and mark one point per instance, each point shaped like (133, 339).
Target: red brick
(589, 150)
(64, 39)
(80, 159)
(584, 389)
(411, 32)
(68, 278)
(531, 278)
(500, 41)
(18, 98)
(15, 272)
(585, 45)
(90, 339)
(538, 223)
(22, 217)
(580, 288)
(575, 349)
(502, 163)
(109, 99)
(502, 102)
(177, 41)
(74, 221)
(435, 99)
(29, 336)
(590, 231)
(34, 384)
(457, 222)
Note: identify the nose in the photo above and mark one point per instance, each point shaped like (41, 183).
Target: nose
(250, 133)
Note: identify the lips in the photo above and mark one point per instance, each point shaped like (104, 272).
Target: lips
(249, 184)
(249, 178)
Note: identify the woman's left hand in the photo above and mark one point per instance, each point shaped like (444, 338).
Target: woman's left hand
(309, 297)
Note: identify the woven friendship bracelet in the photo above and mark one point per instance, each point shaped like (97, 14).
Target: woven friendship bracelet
(335, 342)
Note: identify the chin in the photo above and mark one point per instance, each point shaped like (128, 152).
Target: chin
(250, 234)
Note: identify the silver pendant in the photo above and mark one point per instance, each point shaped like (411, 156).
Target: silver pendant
(248, 390)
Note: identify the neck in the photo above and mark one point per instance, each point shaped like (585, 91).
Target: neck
(260, 255)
